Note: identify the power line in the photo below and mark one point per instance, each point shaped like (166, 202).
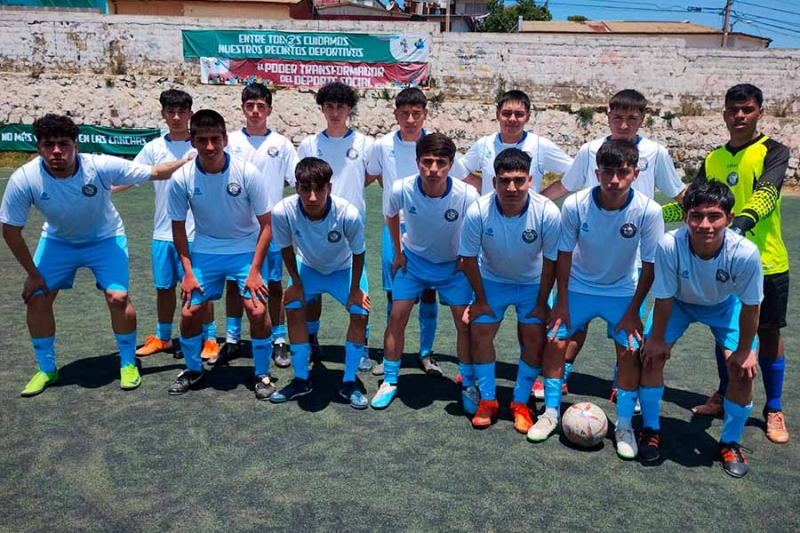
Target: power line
(769, 8)
(661, 10)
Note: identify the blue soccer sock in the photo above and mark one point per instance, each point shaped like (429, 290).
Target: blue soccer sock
(526, 375)
(567, 371)
(772, 371)
(391, 370)
(300, 356)
(45, 352)
(262, 355)
(722, 369)
(366, 333)
(191, 347)
(279, 333)
(486, 382)
(164, 331)
(428, 321)
(614, 379)
(210, 331)
(126, 344)
(388, 311)
(352, 356)
(735, 418)
(650, 399)
(552, 393)
(233, 329)
(626, 406)
(313, 327)
(467, 371)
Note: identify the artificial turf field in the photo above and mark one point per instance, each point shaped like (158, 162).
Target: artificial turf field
(87, 456)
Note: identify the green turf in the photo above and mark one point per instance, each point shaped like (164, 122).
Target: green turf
(86, 456)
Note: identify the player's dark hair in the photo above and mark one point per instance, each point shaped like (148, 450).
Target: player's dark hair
(410, 96)
(313, 171)
(511, 160)
(617, 153)
(708, 193)
(257, 91)
(337, 93)
(53, 126)
(175, 98)
(436, 144)
(514, 96)
(743, 92)
(206, 119)
(628, 99)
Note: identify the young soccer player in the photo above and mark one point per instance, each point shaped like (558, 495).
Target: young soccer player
(603, 229)
(347, 152)
(82, 229)
(515, 233)
(394, 158)
(434, 205)
(329, 235)
(626, 113)
(709, 274)
(232, 217)
(275, 158)
(753, 166)
(513, 113)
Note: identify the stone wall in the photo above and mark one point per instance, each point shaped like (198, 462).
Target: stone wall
(109, 70)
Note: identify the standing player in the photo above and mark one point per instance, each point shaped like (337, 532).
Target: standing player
(393, 158)
(82, 229)
(515, 232)
(626, 111)
(329, 235)
(753, 166)
(603, 230)
(275, 158)
(704, 273)
(347, 152)
(434, 205)
(232, 234)
(513, 113)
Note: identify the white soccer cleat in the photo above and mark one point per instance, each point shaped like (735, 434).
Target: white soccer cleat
(626, 443)
(543, 428)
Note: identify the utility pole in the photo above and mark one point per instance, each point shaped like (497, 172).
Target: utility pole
(725, 26)
(447, 16)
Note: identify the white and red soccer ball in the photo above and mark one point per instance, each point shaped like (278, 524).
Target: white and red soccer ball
(584, 424)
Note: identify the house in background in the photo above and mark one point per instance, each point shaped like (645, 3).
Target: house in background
(239, 9)
(358, 10)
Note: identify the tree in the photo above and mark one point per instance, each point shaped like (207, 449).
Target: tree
(577, 18)
(502, 19)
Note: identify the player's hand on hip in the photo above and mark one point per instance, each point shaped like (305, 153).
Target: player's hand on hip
(743, 364)
(188, 286)
(294, 293)
(32, 285)
(558, 317)
(478, 308)
(358, 298)
(398, 263)
(258, 289)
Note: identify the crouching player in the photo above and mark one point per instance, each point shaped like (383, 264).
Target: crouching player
(233, 230)
(596, 273)
(329, 235)
(434, 205)
(82, 229)
(705, 273)
(516, 233)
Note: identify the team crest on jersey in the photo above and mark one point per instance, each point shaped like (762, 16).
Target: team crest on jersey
(334, 236)
(489, 232)
(89, 190)
(529, 235)
(685, 274)
(234, 189)
(643, 164)
(352, 153)
(722, 276)
(584, 227)
(412, 210)
(391, 153)
(197, 191)
(451, 215)
(44, 196)
(273, 151)
(732, 179)
(628, 230)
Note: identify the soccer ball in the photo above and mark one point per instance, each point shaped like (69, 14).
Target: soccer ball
(584, 424)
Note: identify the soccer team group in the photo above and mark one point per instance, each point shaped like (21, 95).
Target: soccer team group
(473, 231)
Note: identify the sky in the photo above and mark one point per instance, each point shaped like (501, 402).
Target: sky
(775, 19)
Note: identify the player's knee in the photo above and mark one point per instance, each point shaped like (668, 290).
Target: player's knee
(256, 312)
(38, 304)
(117, 300)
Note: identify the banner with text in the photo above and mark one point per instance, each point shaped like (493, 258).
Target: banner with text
(91, 139)
(288, 73)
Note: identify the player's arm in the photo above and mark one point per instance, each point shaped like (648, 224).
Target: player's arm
(480, 306)
(475, 181)
(293, 292)
(560, 313)
(766, 190)
(631, 322)
(255, 282)
(16, 243)
(181, 242)
(656, 347)
(393, 224)
(555, 191)
(369, 178)
(164, 171)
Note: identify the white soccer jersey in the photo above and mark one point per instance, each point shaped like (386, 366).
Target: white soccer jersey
(272, 154)
(348, 158)
(680, 274)
(76, 209)
(545, 157)
(225, 205)
(325, 245)
(656, 169)
(157, 151)
(433, 225)
(604, 243)
(511, 248)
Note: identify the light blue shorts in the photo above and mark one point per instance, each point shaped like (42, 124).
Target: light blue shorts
(585, 307)
(273, 271)
(421, 274)
(502, 295)
(723, 319)
(337, 284)
(57, 262)
(166, 264)
(211, 271)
